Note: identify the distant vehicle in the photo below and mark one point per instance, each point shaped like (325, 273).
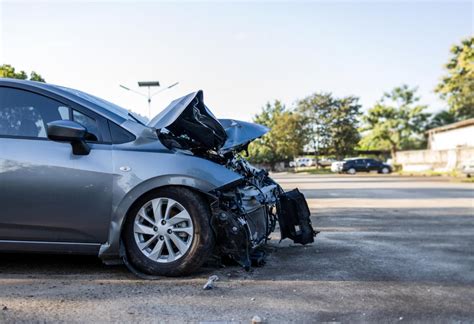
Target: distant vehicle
(336, 167)
(305, 162)
(468, 168)
(326, 162)
(352, 166)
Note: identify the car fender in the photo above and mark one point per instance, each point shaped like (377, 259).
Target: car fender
(141, 177)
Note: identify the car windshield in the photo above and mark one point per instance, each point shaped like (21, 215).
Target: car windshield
(122, 112)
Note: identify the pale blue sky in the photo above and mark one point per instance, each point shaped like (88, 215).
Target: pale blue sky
(241, 54)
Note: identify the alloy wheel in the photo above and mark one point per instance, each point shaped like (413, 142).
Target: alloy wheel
(163, 230)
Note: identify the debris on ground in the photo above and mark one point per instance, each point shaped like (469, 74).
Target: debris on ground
(210, 282)
(256, 319)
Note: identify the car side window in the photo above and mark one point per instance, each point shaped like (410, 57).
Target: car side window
(64, 112)
(24, 114)
(89, 123)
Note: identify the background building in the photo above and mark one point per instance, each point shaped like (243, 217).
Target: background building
(449, 148)
(456, 135)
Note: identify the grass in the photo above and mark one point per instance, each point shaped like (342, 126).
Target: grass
(454, 175)
(313, 170)
(425, 173)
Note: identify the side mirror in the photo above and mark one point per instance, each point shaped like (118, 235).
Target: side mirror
(69, 131)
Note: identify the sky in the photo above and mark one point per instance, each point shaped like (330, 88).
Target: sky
(241, 54)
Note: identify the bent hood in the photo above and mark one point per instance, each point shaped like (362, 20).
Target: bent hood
(240, 133)
(192, 125)
(189, 119)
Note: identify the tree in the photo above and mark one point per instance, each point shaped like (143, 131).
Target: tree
(396, 122)
(457, 87)
(8, 71)
(314, 110)
(344, 127)
(444, 117)
(331, 123)
(285, 139)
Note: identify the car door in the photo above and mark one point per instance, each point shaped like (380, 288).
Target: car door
(372, 165)
(360, 165)
(47, 193)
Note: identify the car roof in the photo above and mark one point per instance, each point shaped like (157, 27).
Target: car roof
(98, 105)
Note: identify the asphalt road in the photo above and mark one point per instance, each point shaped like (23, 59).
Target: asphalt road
(391, 249)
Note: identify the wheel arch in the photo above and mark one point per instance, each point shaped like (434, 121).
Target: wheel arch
(110, 251)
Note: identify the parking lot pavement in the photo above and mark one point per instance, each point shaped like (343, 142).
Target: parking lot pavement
(391, 249)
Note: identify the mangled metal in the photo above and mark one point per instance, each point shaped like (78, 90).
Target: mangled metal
(187, 123)
(245, 212)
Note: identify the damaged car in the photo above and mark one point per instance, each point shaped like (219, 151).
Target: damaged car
(81, 175)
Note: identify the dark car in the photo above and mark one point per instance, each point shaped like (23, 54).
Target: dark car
(365, 165)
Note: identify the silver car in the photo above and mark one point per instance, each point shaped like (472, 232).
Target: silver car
(81, 175)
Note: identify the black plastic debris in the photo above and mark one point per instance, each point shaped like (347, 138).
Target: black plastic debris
(294, 217)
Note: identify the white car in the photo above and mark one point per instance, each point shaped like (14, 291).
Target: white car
(337, 166)
(305, 162)
(468, 168)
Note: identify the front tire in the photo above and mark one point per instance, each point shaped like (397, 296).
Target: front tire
(385, 170)
(351, 171)
(167, 232)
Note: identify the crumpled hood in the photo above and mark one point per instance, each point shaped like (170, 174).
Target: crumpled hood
(193, 125)
(189, 118)
(240, 133)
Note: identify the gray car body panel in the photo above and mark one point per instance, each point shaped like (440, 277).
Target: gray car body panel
(148, 170)
(48, 194)
(240, 133)
(100, 187)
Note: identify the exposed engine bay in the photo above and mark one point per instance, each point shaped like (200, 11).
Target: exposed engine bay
(245, 215)
(246, 212)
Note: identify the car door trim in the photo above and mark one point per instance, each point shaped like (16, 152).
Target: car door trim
(49, 247)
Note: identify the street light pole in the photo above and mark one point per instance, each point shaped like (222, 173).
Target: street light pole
(149, 85)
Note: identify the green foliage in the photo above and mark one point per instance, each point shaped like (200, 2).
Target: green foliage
(36, 77)
(314, 110)
(457, 87)
(285, 139)
(331, 123)
(344, 127)
(396, 122)
(442, 118)
(8, 71)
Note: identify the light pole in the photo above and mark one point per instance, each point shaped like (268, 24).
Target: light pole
(149, 85)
